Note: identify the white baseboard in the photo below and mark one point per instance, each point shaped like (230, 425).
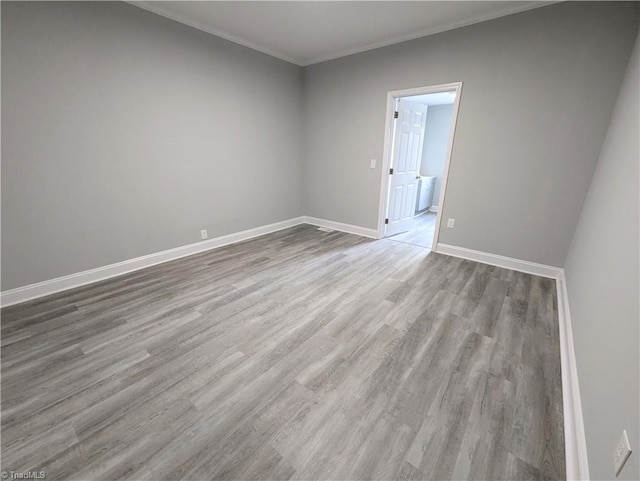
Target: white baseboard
(575, 441)
(434, 208)
(350, 229)
(499, 261)
(45, 288)
(577, 465)
(574, 437)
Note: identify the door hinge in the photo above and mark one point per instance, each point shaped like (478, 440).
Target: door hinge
(390, 171)
(395, 114)
(386, 221)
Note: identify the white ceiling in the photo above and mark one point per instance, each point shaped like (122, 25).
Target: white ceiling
(440, 98)
(307, 32)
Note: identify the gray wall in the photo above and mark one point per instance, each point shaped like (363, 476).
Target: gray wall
(436, 141)
(539, 89)
(125, 133)
(602, 270)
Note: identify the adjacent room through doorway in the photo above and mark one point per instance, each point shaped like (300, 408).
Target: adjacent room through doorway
(421, 135)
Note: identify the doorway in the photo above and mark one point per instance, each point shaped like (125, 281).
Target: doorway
(419, 136)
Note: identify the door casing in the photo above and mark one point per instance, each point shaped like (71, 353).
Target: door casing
(388, 143)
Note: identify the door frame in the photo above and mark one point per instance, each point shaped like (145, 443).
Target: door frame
(388, 152)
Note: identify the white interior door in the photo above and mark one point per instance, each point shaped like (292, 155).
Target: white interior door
(408, 136)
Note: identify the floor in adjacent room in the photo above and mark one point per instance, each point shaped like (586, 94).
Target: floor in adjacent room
(421, 231)
(301, 354)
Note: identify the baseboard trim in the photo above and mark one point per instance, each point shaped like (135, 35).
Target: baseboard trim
(348, 228)
(499, 261)
(577, 466)
(52, 286)
(576, 459)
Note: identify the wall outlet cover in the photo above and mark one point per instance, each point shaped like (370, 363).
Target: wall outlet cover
(204, 234)
(622, 452)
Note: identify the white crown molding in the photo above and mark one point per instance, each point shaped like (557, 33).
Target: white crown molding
(348, 228)
(576, 459)
(45, 288)
(499, 261)
(423, 33)
(157, 8)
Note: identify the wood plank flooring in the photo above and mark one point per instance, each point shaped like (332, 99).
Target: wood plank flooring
(297, 355)
(421, 231)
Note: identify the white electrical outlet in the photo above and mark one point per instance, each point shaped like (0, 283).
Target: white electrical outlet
(451, 223)
(203, 234)
(372, 164)
(622, 452)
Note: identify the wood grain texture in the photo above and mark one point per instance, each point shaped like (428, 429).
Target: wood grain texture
(421, 232)
(301, 354)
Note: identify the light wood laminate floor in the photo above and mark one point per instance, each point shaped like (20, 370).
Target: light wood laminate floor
(297, 355)
(421, 231)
